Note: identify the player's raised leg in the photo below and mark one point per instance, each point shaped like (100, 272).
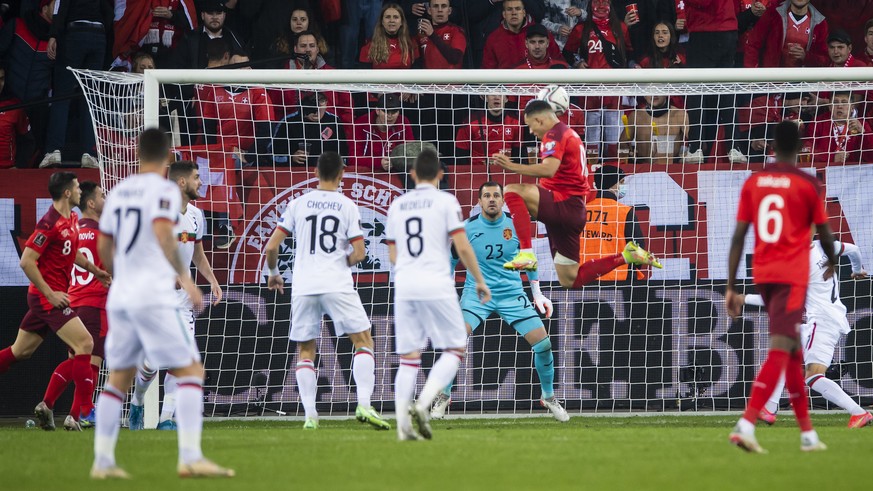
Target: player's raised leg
(523, 203)
(830, 390)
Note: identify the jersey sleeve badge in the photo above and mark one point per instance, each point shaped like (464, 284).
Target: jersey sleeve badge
(39, 240)
(507, 233)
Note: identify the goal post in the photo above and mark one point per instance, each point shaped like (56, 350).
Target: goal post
(647, 340)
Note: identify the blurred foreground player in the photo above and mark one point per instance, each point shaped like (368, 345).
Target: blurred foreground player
(145, 320)
(47, 260)
(781, 203)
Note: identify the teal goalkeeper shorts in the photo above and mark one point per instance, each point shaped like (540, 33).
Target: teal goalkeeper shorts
(515, 309)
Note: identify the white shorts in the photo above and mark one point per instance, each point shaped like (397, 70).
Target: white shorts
(187, 309)
(416, 321)
(158, 334)
(344, 309)
(820, 339)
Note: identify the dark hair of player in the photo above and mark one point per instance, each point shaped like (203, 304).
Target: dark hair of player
(182, 168)
(427, 165)
(488, 185)
(217, 49)
(786, 139)
(536, 106)
(89, 189)
(60, 182)
(154, 146)
(330, 164)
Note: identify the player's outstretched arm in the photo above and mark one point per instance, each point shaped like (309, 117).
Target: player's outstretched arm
(163, 230)
(853, 252)
(468, 257)
(547, 168)
(826, 238)
(31, 270)
(359, 252)
(102, 276)
(732, 299)
(275, 281)
(201, 262)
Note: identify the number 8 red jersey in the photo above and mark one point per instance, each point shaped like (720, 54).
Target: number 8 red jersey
(782, 203)
(56, 239)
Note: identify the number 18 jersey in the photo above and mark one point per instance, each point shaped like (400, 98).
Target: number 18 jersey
(782, 203)
(142, 276)
(420, 224)
(323, 224)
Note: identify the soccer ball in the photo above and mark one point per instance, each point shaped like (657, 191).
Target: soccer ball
(557, 97)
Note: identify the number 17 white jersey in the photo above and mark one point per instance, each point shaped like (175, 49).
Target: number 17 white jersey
(142, 276)
(324, 224)
(420, 224)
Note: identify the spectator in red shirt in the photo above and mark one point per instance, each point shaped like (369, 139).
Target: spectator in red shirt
(756, 121)
(494, 130)
(537, 56)
(442, 43)
(376, 132)
(748, 14)
(791, 34)
(841, 136)
(391, 46)
(865, 54)
(840, 50)
(665, 48)
(13, 124)
(505, 47)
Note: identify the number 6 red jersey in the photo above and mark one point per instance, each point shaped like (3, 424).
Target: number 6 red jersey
(85, 289)
(56, 239)
(782, 203)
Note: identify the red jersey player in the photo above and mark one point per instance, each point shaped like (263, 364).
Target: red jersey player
(47, 259)
(88, 297)
(558, 201)
(781, 203)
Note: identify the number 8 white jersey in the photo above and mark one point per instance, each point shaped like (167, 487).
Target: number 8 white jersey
(420, 224)
(141, 276)
(323, 224)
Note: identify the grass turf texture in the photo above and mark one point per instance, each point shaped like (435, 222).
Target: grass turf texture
(591, 453)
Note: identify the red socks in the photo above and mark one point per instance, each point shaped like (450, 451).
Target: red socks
(61, 378)
(765, 382)
(83, 376)
(591, 270)
(6, 359)
(797, 390)
(520, 218)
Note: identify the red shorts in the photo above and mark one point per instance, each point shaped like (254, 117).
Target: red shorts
(784, 304)
(95, 322)
(564, 220)
(38, 320)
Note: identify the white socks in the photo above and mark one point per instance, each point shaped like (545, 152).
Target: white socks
(833, 393)
(441, 375)
(189, 418)
(306, 385)
(773, 403)
(404, 390)
(169, 407)
(106, 432)
(364, 371)
(144, 378)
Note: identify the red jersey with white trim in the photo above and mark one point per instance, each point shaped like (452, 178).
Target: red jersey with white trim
(782, 203)
(483, 136)
(56, 239)
(395, 55)
(449, 34)
(236, 112)
(85, 289)
(796, 33)
(571, 179)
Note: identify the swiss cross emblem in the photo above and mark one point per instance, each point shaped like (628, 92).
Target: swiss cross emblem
(447, 36)
(680, 6)
(245, 100)
(507, 131)
(65, 233)
(507, 233)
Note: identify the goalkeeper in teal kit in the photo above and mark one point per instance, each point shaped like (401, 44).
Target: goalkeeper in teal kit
(494, 241)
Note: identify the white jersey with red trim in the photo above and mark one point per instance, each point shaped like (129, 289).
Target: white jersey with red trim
(189, 231)
(420, 225)
(823, 304)
(324, 225)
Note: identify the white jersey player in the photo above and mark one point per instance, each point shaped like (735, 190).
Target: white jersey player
(189, 232)
(326, 224)
(137, 242)
(820, 334)
(420, 225)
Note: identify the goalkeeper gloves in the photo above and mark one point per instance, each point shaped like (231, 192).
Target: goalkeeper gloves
(543, 304)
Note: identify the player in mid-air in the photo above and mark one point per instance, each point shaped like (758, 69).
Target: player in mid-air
(493, 238)
(325, 224)
(781, 203)
(88, 296)
(558, 201)
(419, 228)
(825, 323)
(47, 261)
(189, 231)
(138, 244)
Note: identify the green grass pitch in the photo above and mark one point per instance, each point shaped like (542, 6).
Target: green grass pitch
(591, 453)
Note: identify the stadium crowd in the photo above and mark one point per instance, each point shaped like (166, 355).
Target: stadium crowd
(39, 38)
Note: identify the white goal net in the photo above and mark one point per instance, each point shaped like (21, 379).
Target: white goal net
(639, 339)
